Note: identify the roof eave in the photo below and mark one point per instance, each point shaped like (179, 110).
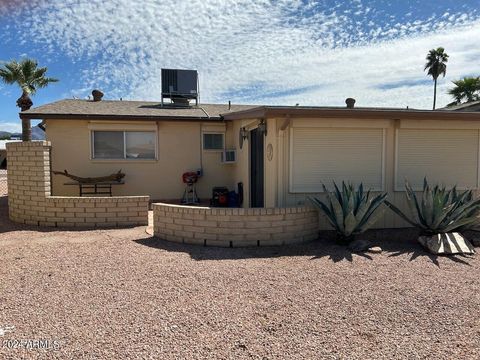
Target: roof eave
(351, 113)
(256, 112)
(40, 116)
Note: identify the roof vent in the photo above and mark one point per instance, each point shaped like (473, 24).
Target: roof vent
(97, 95)
(180, 86)
(350, 103)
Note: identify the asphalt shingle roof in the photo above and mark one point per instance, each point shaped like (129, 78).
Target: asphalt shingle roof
(147, 109)
(470, 106)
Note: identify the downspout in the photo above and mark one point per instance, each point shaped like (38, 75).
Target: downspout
(201, 140)
(201, 148)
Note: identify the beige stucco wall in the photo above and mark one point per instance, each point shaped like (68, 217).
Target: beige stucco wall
(179, 150)
(241, 170)
(287, 198)
(277, 171)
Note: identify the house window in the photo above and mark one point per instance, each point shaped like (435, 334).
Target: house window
(444, 156)
(213, 141)
(324, 155)
(140, 145)
(123, 144)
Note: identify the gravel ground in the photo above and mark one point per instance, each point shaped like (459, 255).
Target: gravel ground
(118, 294)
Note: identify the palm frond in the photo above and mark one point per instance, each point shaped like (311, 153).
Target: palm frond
(436, 62)
(466, 89)
(26, 74)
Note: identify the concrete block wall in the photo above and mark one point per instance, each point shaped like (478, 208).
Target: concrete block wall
(30, 201)
(235, 227)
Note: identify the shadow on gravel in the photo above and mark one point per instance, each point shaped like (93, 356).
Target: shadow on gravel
(403, 242)
(316, 250)
(394, 243)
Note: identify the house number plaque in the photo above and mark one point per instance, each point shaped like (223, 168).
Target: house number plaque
(269, 152)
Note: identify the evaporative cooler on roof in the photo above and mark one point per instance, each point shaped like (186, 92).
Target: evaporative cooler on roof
(180, 86)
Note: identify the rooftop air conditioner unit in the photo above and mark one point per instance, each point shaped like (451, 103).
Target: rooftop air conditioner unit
(229, 156)
(180, 86)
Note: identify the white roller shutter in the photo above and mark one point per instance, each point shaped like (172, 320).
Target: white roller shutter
(323, 155)
(447, 157)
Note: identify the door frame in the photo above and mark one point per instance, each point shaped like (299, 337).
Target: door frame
(256, 147)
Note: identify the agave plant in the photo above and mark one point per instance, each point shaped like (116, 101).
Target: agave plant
(439, 210)
(350, 211)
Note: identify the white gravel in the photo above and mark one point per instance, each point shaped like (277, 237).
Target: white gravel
(118, 294)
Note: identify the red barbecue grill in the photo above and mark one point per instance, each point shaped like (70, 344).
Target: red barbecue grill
(190, 194)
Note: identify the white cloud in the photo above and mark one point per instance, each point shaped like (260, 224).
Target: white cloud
(12, 127)
(261, 51)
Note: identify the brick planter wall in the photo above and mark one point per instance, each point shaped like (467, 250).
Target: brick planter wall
(235, 227)
(30, 201)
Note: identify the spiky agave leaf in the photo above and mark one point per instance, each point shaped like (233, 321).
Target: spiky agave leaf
(373, 206)
(350, 224)
(326, 210)
(400, 213)
(370, 221)
(427, 204)
(350, 211)
(414, 204)
(440, 210)
(457, 224)
(358, 198)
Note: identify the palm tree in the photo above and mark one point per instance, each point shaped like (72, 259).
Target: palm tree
(29, 78)
(436, 65)
(467, 89)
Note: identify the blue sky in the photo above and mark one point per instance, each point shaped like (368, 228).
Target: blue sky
(247, 51)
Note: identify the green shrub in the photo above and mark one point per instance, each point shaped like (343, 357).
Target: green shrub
(439, 210)
(350, 211)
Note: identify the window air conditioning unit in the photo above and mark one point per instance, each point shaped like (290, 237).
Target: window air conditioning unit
(229, 156)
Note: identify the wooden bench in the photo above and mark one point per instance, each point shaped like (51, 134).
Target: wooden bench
(99, 188)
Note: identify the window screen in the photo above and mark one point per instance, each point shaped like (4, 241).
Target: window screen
(213, 141)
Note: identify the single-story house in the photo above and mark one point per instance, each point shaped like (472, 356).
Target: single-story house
(468, 106)
(281, 154)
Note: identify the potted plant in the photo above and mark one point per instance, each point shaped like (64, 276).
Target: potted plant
(439, 215)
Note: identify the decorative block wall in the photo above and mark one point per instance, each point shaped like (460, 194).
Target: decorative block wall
(30, 201)
(235, 227)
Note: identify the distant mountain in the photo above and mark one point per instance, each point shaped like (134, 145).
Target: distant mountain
(37, 134)
(4, 134)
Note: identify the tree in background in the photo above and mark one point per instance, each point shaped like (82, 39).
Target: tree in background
(29, 77)
(466, 90)
(436, 65)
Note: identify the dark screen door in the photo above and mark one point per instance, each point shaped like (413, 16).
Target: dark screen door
(256, 168)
